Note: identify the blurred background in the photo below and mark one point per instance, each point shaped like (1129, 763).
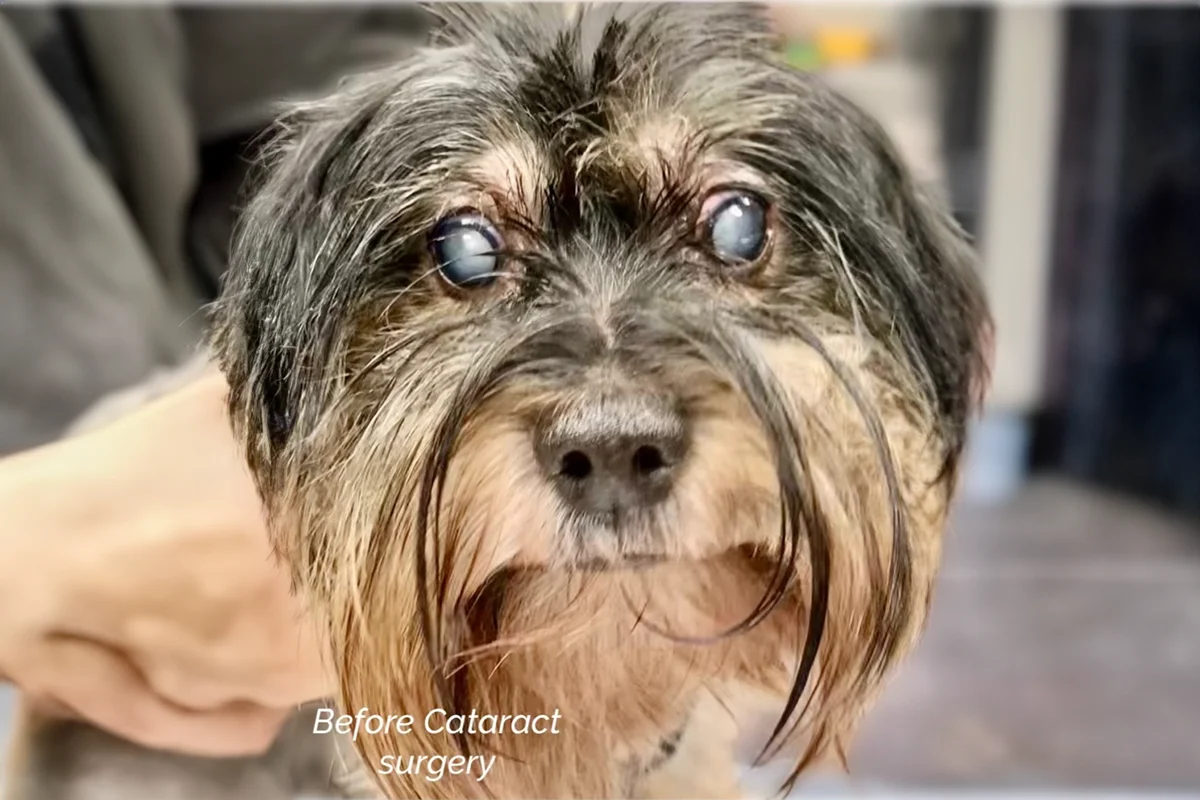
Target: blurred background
(1063, 652)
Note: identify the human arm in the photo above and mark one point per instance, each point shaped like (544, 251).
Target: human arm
(137, 586)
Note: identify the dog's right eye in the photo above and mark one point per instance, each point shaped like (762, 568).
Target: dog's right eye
(466, 248)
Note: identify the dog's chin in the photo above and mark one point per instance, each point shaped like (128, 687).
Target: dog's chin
(612, 542)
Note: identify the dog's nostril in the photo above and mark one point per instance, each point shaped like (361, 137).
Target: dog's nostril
(575, 465)
(648, 460)
(612, 451)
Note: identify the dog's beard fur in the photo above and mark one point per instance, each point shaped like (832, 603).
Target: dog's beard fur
(388, 418)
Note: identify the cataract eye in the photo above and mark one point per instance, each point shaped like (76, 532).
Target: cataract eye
(466, 248)
(736, 225)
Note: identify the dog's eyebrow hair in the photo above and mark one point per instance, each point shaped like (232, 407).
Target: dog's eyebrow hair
(563, 203)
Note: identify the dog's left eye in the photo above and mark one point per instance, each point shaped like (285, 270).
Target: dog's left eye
(466, 248)
(736, 225)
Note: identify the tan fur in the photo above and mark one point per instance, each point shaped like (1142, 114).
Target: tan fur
(509, 175)
(569, 635)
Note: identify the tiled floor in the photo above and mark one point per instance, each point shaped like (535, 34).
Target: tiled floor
(1063, 653)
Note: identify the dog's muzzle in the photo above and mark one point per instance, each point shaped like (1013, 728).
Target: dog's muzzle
(613, 451)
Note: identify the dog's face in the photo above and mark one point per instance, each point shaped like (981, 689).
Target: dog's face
(595, 338)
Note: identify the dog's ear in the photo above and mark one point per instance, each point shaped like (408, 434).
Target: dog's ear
(981, 380)
(948, 255)
(951, 314)
(271, 324)
(912, 255)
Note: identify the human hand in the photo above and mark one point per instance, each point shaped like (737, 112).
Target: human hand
(139, 589)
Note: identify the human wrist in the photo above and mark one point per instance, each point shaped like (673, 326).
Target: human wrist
(153, 457)
(65, 509)
(38, 522)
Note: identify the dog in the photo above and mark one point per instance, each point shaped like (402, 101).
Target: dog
(599, 373)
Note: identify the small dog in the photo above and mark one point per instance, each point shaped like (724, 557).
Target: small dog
(596, 365)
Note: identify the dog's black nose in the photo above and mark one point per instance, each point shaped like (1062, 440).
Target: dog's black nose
(613, 452)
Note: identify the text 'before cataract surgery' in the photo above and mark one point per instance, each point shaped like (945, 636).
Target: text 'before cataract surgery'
(437, 722)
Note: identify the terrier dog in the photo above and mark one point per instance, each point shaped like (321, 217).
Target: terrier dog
(599, 369)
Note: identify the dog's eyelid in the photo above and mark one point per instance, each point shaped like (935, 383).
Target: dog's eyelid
(726, 189)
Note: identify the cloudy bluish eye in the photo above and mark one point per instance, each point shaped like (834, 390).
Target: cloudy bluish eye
(737, 225)
(466, 248)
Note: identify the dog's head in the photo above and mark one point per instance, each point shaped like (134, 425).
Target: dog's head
(567, 323)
